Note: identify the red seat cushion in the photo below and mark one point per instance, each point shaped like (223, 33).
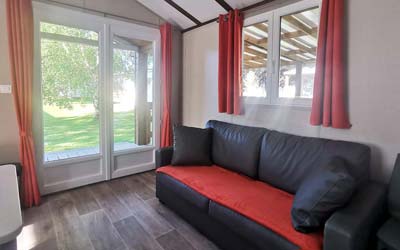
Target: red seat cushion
(253, 199)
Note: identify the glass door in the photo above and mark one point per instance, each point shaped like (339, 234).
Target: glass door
(96, 109)
(70, 92)
(132, 102)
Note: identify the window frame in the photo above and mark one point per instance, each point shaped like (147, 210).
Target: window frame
(273, 18)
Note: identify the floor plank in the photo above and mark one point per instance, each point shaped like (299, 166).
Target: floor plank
(84, 200)
(140, 187)
(136, 184)
(135, 236)
(50, 244)
(38, 228)
(119, 214)
(101, 232)
(69, 229)
(149, 179)
(174, 241)
(111, 204)
(196, 239)
(56, 196)
(151, 221)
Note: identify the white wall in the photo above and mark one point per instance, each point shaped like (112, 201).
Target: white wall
(123, 8)
(373, 79)
(8, 122)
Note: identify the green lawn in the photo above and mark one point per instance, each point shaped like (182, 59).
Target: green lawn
(64, 133)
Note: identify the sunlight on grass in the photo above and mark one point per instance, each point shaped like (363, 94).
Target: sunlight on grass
(66, 133)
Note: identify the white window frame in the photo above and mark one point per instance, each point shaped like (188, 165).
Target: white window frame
(264, 17)
(274, 28)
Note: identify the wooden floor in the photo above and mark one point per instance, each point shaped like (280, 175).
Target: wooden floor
(116, 215)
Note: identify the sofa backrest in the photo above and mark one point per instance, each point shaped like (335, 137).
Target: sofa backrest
(236, 147)
(286, 160)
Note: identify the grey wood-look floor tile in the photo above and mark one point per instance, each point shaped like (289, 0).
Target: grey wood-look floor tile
(70, 232)
(75, 220)
(136, 184)
(50, 244)
(149, 179)
(84, 200)
(56, 196)
(134, 236)
(151, 221)
(101, 232)
(111, 204)
(37, 229)
(196, 239)
(174, 241)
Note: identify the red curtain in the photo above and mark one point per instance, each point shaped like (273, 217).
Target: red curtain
(230, 62)
(166, 71)
(329, 101)
(20, 42)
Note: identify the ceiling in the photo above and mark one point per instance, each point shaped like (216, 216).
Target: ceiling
(298, 40)
(200, 10)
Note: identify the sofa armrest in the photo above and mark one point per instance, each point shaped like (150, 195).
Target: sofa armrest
(354, 226)
(164, 156)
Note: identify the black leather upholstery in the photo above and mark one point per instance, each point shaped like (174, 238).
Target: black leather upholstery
(394, 191)
(236, 147)
(183, 191)
(389, 235)
(164, 156)
(259, 235)
(320, 194)
(192, 146)
(353, 227)
(220, 234)
(286, 160)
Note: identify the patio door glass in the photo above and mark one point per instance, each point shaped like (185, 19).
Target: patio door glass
(134, 111)
(132, 92)
(70, 91)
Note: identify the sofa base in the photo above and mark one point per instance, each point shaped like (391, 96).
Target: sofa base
(215, 231)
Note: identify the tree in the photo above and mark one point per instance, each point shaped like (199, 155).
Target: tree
(70, 70)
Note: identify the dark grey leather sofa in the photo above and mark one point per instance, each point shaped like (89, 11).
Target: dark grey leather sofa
(281, 160)
(389, 233)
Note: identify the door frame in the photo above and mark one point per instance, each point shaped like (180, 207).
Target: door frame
(104, 26)
(125, 29)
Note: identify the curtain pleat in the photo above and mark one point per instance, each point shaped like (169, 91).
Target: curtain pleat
(230, 63)
(166, 79)
(329, 99)
(20, 42)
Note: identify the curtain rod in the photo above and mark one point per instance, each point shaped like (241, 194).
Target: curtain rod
(104, 14)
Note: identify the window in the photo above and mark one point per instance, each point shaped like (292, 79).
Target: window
(70, 91)
(255, 62)
(279, 53)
